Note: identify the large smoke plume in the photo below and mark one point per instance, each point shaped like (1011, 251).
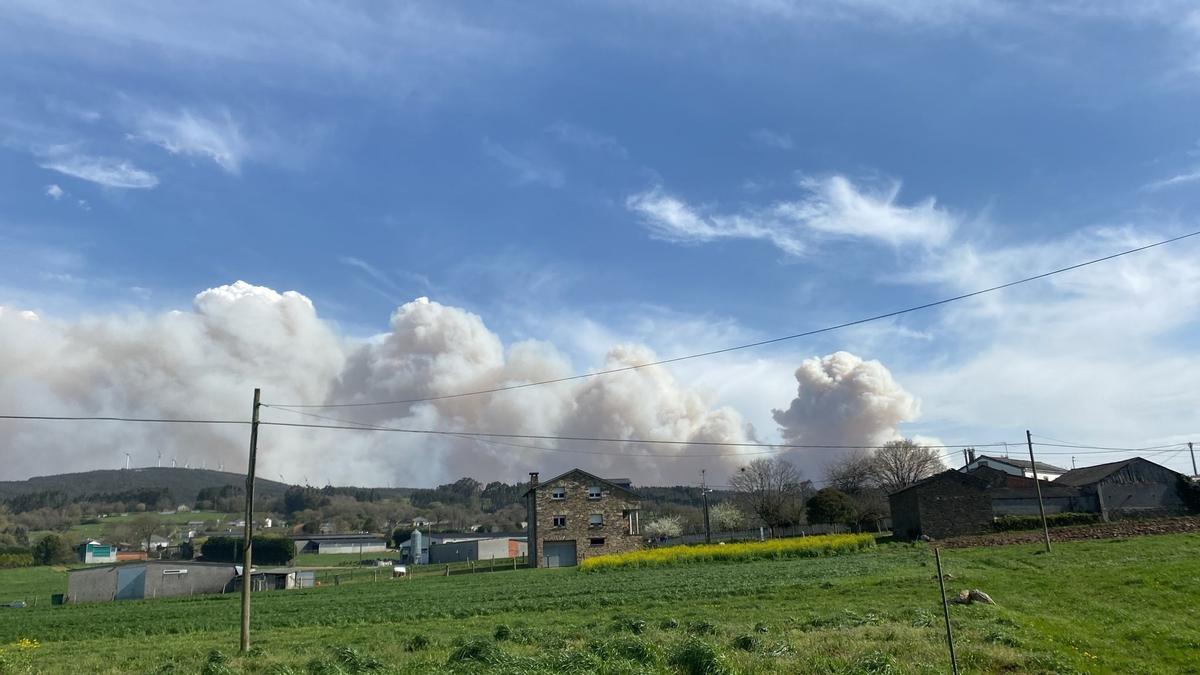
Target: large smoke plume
(842, 399)
(205, 362)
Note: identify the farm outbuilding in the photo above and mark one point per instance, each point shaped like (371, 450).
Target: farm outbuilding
(148, 579)
(340, 543)
(94, 552)
(1135, 486)
(949, 504)
(489, 548)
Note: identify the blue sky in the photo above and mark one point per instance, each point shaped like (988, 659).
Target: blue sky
(681, 175)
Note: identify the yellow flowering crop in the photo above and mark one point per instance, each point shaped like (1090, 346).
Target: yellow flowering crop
(797, 547)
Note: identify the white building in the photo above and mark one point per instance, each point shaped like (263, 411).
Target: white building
(1016, 467)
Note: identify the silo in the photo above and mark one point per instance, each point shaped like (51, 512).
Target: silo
(415, 546)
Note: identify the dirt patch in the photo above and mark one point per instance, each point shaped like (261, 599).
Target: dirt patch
(1118, 530)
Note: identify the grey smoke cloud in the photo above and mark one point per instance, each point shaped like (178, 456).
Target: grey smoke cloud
(204, 363)
(842, 399)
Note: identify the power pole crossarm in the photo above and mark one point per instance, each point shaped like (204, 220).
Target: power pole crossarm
(247, 531)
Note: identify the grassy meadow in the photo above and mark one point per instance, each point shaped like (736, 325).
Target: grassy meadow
(1092, 606)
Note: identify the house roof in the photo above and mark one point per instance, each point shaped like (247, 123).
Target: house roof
(619, 484)
(1094, 474)
(334, 538)
(1023, 464)
(950, 474)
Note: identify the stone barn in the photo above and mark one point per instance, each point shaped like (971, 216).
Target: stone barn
(950, 504)
(1130, 487)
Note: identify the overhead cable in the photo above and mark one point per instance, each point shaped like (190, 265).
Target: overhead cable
(760, 343)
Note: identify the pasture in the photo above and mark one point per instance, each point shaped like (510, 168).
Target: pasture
(1128, 605)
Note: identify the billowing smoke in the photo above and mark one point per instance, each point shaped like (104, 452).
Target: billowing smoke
(204, 363)
(843, 400)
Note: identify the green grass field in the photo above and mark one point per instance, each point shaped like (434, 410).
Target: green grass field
(1092, 606)
(94, 530)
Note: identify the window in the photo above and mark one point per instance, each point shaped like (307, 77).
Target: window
(558, 494)
(560, 521)
(596, 520)
(596, 541)
(594, 492)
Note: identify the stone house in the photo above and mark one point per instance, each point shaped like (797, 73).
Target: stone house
(1015, 467)
(949, 504)
(1018, 496)
(577, 515)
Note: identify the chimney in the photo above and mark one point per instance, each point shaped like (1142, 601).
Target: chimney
(971, 454)
(531, 546)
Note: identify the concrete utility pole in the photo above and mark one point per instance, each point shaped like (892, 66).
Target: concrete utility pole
(1193, 451)
(704, 494)
(1037, 484)
(247, 531)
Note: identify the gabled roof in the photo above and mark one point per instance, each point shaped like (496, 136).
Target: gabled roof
(965, 479)
(1089, 475)
(615, 485)
(1023, 464)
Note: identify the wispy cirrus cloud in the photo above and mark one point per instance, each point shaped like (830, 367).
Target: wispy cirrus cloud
(217, 137)
(833, 207)
(1173, 181)
(572, 134)
(110, 172)
(526, 169)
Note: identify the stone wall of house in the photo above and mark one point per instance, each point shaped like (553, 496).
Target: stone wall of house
(952, 513)
(577, 508)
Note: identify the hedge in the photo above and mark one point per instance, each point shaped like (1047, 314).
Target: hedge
(1006, 523)
(8, 560)
(268, 550)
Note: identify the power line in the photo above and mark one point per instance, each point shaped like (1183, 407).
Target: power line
(750, 345)
(148, 420)
(589, 439)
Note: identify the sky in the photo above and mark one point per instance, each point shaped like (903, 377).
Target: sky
(348, 202)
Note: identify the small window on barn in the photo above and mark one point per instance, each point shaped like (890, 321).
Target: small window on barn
(596, 541)
(594, 492)
(558, 493)
(560, 521)
(596, 520)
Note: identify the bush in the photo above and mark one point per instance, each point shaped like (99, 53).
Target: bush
(9, 560)
(53, 550)
(1008, 523)
(268, 550)
(798, 547)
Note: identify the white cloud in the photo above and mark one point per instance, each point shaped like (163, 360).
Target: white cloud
(1173, 181)
(526, 169)
(106, 171)
(833, 207)
(186, 132)
(773, 139)
(55, 192)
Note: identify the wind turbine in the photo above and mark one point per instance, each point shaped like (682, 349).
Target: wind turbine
(173, 462)
(127, 460)
(160, 459)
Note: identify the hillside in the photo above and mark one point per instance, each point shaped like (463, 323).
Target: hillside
(182, 484)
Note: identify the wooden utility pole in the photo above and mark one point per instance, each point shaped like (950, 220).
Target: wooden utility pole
(937, 556)
(1193, 452)
(704, 494)
(247, 533)
(1037, 484)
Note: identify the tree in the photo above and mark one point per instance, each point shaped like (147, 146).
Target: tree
(770, 489)
(53, 550)
(142, 527)
(726, 516)
(663, 526)
(830, 505)
(901, 463)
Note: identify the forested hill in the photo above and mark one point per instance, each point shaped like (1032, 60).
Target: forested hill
(181, 485)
